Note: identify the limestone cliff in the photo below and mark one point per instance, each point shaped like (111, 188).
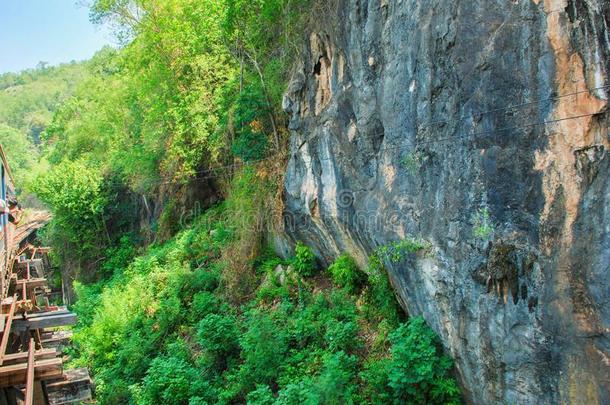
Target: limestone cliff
(479, 127)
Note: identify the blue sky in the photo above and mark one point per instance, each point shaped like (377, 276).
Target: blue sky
(53, 31)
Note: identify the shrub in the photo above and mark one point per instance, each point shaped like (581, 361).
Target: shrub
(271, 292)
(336, 383)
(483, 225)
(262, 395)
(204, 279)
(171, 380)
(397, 251)
(345, 273)
(342, 336)
(118, 257)
(419, 372)
(381, 302)
(251, 145)
(413, 161)
(218, 336)
(264, 346)
(296, 393)
(376, 388)
(204, 304)
(304, 261)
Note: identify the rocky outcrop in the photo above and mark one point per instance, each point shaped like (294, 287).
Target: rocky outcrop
(481, 128)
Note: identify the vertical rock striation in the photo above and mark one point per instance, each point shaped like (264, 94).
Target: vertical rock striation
(481, 128)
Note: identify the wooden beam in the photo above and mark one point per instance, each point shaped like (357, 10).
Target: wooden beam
(40, 366)
(38, 354)
(44, 369)
(58, 339)
(74, 387)
(7, 329)
(48, 321)
(33, 282)
(29, 380)
(56, 335)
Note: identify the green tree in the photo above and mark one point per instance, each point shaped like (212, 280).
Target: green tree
(74, 191)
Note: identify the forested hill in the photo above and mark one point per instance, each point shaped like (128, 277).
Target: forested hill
(28, 100)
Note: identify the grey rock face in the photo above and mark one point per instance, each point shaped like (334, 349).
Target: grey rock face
(471, 125)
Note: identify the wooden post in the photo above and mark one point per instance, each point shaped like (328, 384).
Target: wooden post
(7, 329)
(29, 382)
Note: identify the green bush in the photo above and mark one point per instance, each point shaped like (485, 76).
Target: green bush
(73, 189)
(336, 383)
(342, 336)
(118, 257)
(397, 251)
(419, 371)
(483, 225)
(264, 346)
(218, 336)
(250, 146)
(345, 273)
(204, 304)
(413, 161)
(304, 261)
(380, 301)
(262, 395)
(172, 380)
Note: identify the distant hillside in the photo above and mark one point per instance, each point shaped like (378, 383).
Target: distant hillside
(28, 100)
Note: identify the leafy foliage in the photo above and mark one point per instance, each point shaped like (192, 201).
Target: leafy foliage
(195, 87)
(345, 273)
(164, 330)
(483, 225)
(418, 369)
(304, 261)
(74, 191)
(413, 161)
(397, 251)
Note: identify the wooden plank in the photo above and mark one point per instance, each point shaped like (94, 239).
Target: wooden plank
(70, 393)
(7, 329)
(43, 370)
(48, 321)
(33, 282)
(40, 365)
(39, 354)
(74, 387)
(29, 381)
(44, 314)
(57, 339)
(56, 336)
